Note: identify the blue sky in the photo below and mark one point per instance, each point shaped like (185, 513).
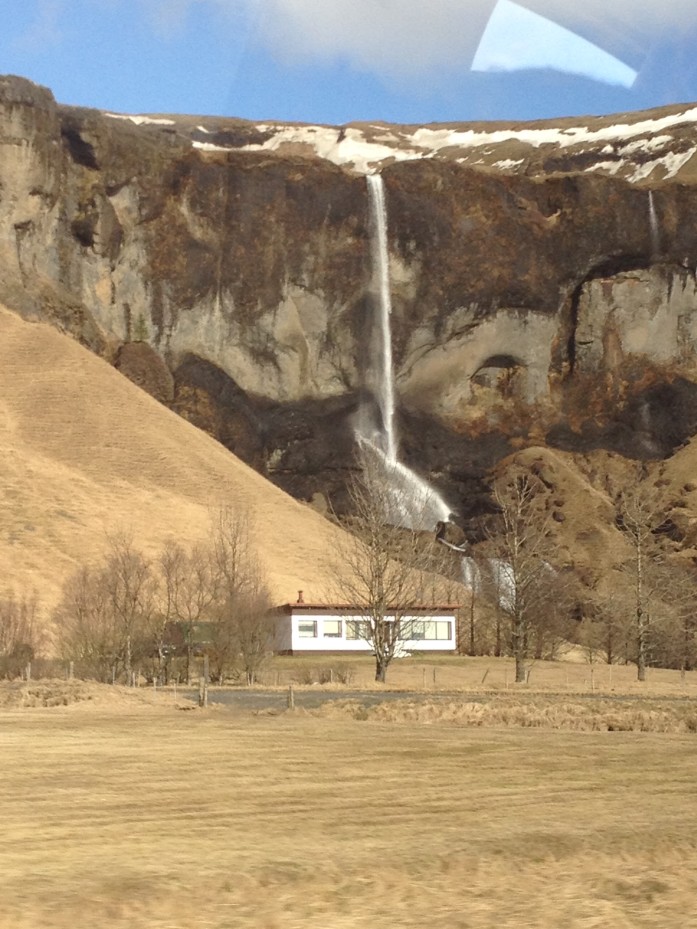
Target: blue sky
(339, 60)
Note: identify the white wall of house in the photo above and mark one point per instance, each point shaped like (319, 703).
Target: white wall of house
(314, 631)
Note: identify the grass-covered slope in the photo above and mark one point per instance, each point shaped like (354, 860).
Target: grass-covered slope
(83, 452)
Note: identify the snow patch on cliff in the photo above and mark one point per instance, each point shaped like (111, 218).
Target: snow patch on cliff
(437, 139)
(671, 164)
(368, 148)
(210, 147)
(142, 120)
(347, 147)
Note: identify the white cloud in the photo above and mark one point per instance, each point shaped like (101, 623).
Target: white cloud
(406, 39)
(390, 37)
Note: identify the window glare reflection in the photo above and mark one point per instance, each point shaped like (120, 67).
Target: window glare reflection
(517, 38)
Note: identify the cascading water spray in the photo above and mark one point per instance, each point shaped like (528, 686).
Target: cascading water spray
(414, 503)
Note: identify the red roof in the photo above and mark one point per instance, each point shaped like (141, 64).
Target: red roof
(347, 608)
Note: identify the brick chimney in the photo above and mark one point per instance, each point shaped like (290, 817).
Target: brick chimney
(300, 599)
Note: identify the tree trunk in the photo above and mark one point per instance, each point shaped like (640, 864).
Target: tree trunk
(686, 649)
(380, 670)
(128, 659)
(520, 675)
(641, 645)
(609, 647)
(640, 617)
(472, 636)
(519, 648)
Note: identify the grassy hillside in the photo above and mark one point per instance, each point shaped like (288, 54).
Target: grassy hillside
(580, 490)
(84, 452)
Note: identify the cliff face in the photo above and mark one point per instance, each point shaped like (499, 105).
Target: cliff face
(543, 278)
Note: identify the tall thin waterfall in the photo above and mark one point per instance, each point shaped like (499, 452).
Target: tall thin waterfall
(384, 387)
(653, 225)
(413, 502)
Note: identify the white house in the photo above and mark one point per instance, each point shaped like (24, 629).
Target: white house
(314, 628)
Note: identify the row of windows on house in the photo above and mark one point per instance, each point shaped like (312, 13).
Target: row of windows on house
(412, 630)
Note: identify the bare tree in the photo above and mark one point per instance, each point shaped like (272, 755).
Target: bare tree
(382, 569)
(189, 588)
(683, 600)
(105, 613)
(672, 624)
(21, 633)
(484, 628)
(126, 609)
(603, 631)
(130, 586)
(641, 512)
(242, 637)
(520, 553)
(85, 623)
(242, 627)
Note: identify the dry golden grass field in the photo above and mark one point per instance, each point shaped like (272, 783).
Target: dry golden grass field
(84, 452)
(462, 673)
(128, 811)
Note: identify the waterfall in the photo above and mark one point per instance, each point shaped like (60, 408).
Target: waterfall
(653, 225)
(384, 387)
(413, 502)
(497, 575)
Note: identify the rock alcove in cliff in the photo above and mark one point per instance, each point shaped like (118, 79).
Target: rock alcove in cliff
(503, 374)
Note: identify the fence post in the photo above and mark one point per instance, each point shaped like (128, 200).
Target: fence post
(291, 697)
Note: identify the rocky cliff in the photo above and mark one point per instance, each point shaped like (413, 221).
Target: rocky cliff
(543, 278)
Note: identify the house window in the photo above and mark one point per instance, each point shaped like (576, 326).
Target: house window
(307, 629)
(332, 628)
(438, 630)
(418, 629)
(356, 629)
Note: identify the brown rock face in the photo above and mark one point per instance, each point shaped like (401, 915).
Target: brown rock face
(142, 365)
(536, 299)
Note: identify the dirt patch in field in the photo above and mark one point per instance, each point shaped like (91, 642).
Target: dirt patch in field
(598, 715)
